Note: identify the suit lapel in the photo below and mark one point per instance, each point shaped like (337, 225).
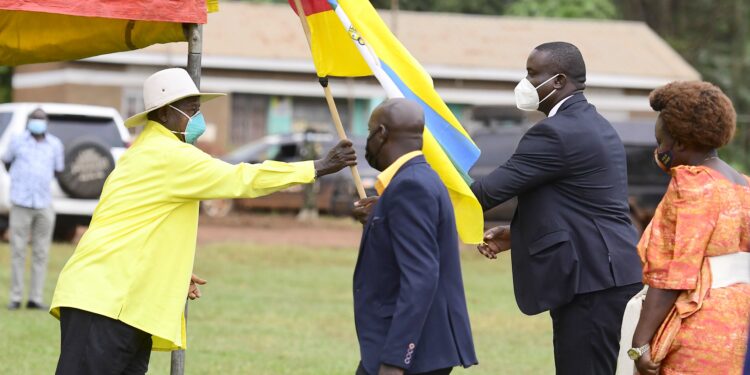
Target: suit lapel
(366, 231)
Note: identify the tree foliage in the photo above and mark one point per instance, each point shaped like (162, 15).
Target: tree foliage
(563, 9)
(714, 37)
(456, 6)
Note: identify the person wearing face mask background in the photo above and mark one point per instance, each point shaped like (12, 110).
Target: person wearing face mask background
(573, 244)
(696, 250)
(33, 159)
(122, 293)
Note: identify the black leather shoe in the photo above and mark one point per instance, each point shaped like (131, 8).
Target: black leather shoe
(36, 306)
(14, 305)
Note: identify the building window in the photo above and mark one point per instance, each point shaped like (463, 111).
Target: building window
(313, 114)
(132, 101)
(132, 104)
(249, 118)
(254, 116)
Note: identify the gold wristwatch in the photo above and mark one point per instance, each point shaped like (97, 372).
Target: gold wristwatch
(635, 353)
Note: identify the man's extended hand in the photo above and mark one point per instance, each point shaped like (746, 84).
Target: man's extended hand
(496, 240)
(390, 370)
(340, 156)
(363, 207)
(193, 291)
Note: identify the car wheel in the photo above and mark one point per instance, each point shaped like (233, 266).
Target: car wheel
(3, 225)
(217, 207)
(87, 164)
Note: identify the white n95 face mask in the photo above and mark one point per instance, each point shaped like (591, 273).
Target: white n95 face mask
(527, 98)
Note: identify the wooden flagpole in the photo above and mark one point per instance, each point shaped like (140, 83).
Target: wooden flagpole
(329, 99)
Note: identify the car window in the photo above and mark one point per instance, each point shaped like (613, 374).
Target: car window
(249, 153)
(5, 118)
(642, 169)
(497, 147)
(260, 151)
(636, 133)
(287, 152)
(71, 127)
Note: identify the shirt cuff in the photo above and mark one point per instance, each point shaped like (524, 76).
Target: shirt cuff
(306, 169)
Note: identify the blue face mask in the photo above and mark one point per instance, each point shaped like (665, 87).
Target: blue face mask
(37, 126)
(196, 126)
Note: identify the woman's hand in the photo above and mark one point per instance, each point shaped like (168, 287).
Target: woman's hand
(645, 366)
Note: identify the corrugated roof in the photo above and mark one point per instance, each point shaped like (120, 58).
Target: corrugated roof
(477, 45)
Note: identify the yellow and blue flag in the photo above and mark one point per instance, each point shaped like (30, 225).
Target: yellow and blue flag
(349, 39)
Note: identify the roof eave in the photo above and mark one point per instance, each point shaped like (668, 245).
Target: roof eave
(306, 67)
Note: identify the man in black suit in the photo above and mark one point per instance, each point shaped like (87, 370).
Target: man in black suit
(409, 304)
(574, 246)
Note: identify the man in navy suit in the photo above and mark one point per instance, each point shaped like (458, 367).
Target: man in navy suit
(409, 304)
(574, 246)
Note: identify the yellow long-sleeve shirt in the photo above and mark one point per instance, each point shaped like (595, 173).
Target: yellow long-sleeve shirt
(134, 262)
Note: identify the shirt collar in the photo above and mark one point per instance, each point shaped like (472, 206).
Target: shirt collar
(557, 106)
(161, 129)
(30, 137)
(385, 177)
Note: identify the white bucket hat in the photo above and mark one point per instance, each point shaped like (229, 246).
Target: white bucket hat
(165, 87)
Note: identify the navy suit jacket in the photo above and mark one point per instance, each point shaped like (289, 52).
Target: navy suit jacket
(409, 304)
(571, 232)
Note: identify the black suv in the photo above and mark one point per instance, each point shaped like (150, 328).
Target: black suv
(646, 182)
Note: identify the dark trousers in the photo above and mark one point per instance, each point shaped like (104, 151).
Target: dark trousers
(587, 331)
(445, 371)
(93, 344)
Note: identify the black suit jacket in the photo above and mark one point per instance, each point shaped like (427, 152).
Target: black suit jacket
(571, 232)
(409, 304)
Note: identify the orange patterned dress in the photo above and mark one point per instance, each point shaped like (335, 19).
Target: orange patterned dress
(702, 215)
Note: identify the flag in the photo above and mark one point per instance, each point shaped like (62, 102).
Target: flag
(447, 146)
(332, 50)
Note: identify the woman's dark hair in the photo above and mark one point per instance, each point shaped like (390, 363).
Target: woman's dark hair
(696, 114)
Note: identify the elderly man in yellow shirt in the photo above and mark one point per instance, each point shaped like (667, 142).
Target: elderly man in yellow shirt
(122, 292)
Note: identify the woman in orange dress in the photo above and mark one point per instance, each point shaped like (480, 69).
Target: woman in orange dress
(694, 319)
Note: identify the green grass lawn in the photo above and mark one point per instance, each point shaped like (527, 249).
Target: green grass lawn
(276, 310)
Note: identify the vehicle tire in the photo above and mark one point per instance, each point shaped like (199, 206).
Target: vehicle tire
(4, 222)
(217, 207)
(88, 162)
(65, 231)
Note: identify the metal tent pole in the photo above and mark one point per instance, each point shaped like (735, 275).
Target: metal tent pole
(195, 47)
